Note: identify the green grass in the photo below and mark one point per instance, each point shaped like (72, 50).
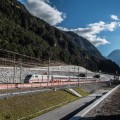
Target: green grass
(33, 105)
(30, 105)
(81, 91)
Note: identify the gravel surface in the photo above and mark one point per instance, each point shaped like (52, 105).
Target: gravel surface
(109, 109)
(91, 88)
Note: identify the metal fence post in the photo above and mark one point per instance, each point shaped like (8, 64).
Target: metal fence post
(78, 77)
(21, 75)
(20, 71)
(48, 70)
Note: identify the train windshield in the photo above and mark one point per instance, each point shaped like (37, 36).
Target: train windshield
(28, 77)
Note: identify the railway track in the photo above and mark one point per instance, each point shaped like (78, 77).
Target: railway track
(45, 84)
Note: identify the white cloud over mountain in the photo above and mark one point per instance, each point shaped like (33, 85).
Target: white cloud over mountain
(92, 31)
(44, 10)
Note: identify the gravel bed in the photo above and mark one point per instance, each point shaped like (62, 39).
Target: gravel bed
(92, 87)
(109, 109)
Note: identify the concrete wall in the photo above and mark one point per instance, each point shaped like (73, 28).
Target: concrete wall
(17, 74)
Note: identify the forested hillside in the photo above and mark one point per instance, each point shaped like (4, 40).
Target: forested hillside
(23, 33)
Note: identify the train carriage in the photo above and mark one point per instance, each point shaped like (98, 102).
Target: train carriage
(37, 78)
(51, 78)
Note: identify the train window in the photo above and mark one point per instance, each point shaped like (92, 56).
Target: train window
(36, 76)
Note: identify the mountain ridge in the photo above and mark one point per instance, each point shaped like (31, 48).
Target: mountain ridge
(84, 43)
(115, 56)
(23, 33)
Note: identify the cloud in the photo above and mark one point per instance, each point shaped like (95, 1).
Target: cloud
(44, 10)
(112, 26)
(92, 31)
(114, 17)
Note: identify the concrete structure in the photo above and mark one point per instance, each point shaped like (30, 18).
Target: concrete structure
(17, 74)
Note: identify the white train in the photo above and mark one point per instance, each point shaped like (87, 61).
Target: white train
(36, 78)
(49, 78)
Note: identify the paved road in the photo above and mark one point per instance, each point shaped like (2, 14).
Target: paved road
(85, 111)
(67, 111)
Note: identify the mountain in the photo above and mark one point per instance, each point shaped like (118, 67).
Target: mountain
(115, 56)
(23, 33)
(84, 44)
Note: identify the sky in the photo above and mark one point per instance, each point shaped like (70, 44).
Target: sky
(96, 20)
